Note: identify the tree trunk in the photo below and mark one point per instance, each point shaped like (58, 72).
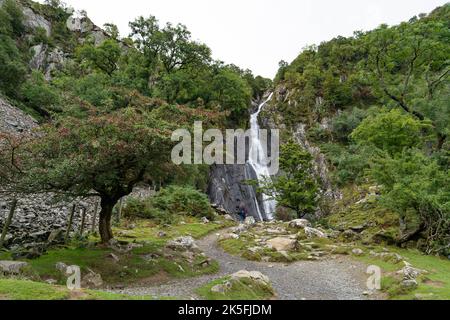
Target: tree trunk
(8, 222)
(104, 224)
(83, 220)
(69, 225)
(441, 141)
(94, 217)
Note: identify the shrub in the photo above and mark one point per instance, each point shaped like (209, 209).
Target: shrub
(38, 94)
(168, 203)
(285, 214)
(142, 208)
(391, 131)
(183, 200)
(344, 123)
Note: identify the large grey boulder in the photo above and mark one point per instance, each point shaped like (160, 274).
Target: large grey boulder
(299, 223)
(314, 233)
(253, 275)
(12, 267)
(182, 243)
(282, 244)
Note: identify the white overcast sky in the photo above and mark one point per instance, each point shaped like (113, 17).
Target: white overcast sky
(257, 34)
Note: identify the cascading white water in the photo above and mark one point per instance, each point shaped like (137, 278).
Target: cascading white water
(257, 160)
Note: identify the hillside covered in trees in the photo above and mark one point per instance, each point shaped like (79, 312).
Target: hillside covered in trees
(377, 105)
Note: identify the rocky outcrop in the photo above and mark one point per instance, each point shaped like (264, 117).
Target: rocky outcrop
(34, 21)
(227, 185)
(14, 120)
(320, 163)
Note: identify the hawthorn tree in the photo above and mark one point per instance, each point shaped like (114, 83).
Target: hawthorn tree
(102, 155)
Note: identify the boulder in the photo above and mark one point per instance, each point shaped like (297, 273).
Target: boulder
(350, 235)
(314, 233)
(299, 223)
(92, 279)
(357, 252)
(250, 221)
(162, 234)
(222, 288)
(228, 236)
(205, 220)
(228, 217)
(113, 257)
(253, 275)
(61, 267)
(282, 244)
(409, 272)
(409, 284)
(182, 243)
(387, 256)
(12, 267)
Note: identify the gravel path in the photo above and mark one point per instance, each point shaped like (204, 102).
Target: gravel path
(337, 278)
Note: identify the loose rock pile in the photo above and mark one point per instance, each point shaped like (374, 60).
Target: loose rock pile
(38, 222)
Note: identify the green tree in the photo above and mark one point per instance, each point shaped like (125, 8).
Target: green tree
(296, 188)
(232, 93)
(12, 68)
(39, 95)
(171, 46)
(413, 184)
(391, 131)
(409, 63)
(102, 155)
(104, 57)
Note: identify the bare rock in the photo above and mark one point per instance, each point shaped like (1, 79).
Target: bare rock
(92, 279)
(250, 221)
(182, 244)
(409, 272)
(228, 236)
(299, 223)
(253, 275)
(12, 267)
(282, 244)
(314, 233)
(357, 252)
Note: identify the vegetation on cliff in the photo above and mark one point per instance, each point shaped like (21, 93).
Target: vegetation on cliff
(377, 106)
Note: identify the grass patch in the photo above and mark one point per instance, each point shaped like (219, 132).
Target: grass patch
(244, 289)
(16, 289)
(434, 286)
(141, 262)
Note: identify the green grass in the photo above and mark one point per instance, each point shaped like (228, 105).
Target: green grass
(16, 289)
(132, 266)
(244, 289)
(147, 230)
(437, 282)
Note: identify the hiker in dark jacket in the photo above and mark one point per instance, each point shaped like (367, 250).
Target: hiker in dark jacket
(242, 210)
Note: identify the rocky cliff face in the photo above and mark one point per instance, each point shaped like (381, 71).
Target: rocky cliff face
(48, 58)
(13, 120)
(227, 185)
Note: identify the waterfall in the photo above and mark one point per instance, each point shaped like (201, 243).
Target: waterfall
(257, 161)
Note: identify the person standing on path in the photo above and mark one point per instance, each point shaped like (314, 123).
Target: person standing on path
(242, 210)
